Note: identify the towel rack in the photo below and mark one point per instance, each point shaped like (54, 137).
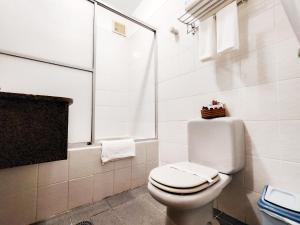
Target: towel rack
(202, 10)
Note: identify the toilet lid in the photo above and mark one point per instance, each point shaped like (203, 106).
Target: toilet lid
(183, 177)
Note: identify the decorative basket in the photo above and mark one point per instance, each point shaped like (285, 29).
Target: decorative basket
(212, 113)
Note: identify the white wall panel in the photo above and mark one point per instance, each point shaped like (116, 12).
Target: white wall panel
(112, 77)
(30, 77)
(125, 79)
(59, 30)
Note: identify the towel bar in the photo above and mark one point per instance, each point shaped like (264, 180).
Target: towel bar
(202, 10)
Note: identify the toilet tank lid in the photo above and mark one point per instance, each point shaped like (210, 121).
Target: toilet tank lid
(280, 203)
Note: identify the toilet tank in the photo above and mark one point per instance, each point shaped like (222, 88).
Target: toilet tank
(217, 143)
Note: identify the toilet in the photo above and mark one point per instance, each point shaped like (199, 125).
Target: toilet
(216, 150)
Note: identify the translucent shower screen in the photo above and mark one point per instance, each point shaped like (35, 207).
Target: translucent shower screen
(125, 78)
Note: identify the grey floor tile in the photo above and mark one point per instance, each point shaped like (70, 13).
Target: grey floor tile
(120, 199)
(86, 212)
(106, 218)
(155, 203)
(140, 212)
(140, 191)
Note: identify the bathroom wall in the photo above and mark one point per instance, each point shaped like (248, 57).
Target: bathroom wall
(37, 192)
(260, 83)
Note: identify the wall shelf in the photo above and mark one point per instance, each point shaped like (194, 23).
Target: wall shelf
(202, 10)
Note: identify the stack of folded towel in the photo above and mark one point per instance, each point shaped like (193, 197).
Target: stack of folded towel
(117, 149)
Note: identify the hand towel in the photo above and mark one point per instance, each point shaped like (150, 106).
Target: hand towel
(207, 39)
(227, 28)
(117, 149)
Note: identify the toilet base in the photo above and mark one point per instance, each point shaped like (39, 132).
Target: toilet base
(198, 216)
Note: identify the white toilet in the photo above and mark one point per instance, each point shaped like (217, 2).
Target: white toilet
(216, 149)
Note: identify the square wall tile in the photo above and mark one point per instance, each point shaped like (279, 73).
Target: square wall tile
(103, 185)
(123, 163)
(152, 151)
(232, 101)
(256, 25)
(259, 102)
(288, 98)
(262, 139)
(262, 171)
(52, 200)
(141, 153)
(173, 131)
(18, 209)
(98, 167)
(258, 67)
(53, 172)
(290, 176)
(18, 179)
(289, 140)
(172, 152)
(138, 175)
(81, 163)
(122, 180)
(80, 192)
(288, 63)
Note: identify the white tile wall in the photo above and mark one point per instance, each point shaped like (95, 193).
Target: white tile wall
(122, 179)
(18, 178)
(259, 83)
(19, 207)
(52, 200)
(53, 172)
(103, 185)
(81, 163)
(80, 191)
(37, 192)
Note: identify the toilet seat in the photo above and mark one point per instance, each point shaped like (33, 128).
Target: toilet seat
(183, 178)
(189, 201)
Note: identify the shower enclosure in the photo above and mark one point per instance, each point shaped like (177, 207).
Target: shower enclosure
(85, 50)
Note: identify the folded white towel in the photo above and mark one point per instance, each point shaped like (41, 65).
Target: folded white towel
(117, 149)
(207, 39)
(227, 28)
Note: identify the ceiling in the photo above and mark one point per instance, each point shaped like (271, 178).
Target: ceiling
(126, 6)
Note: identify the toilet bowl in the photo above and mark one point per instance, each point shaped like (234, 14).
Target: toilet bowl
(188, 189)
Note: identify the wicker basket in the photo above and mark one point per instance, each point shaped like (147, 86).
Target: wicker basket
(213, 113)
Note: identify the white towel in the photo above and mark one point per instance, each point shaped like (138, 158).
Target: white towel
(227, 28)
(118, 149)
(207, 39)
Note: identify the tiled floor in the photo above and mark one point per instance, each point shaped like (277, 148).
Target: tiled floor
(135, 207)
